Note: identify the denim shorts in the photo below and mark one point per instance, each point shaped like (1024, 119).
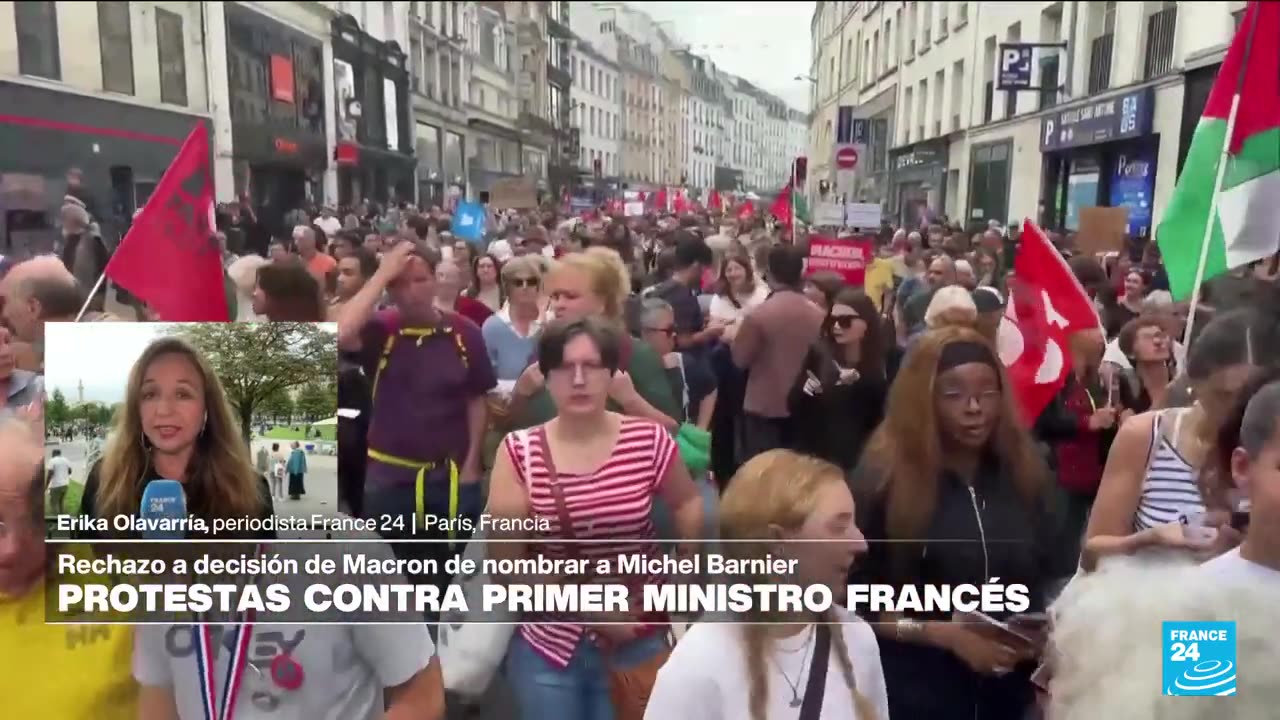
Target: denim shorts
(579, 691)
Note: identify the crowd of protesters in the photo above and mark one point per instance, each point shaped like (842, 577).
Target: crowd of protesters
(662, 380)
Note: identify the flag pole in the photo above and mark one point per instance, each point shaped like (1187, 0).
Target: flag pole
(1217, 181)
(96, 287)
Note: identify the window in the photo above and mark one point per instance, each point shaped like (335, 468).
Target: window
(37, 26)
(117, 47)
(1108, 18)
(593, 121)
(173, 57)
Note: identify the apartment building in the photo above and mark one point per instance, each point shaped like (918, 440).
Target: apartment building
(1107, 122)
(111, 88)
(492, 108)
(597, 92)
(439, 85)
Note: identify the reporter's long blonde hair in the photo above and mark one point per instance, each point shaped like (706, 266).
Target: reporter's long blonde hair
(778, 488)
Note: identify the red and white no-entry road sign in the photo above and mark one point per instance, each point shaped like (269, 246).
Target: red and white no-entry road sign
(847, 158)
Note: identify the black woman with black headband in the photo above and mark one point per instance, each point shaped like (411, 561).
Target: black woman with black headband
(952, 491)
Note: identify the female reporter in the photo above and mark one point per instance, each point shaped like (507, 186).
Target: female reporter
(955, 494)
(175, 424)
(591, 474)
(761, 670)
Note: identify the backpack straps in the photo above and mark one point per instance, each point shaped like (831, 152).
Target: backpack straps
(392, 322)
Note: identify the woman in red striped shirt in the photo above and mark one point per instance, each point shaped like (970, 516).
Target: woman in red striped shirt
(586, 475)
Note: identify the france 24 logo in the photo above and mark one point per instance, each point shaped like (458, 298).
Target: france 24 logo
(1199, 658)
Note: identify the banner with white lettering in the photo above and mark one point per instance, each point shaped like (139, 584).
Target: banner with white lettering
(847, 256)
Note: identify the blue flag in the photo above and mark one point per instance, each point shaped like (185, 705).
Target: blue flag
(468, 222)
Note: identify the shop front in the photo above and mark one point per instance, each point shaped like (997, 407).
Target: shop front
(495, 153)
(1101, 153)
(277, 114)
(375, 134)
(919, 182)
(121, 150)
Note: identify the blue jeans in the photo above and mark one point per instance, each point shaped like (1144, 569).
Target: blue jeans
(580, 691)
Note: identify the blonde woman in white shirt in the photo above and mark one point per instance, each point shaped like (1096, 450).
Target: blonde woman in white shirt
(761, 671)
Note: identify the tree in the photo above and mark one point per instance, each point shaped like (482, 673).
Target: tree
(278, 405)
(256, 360)
(57, 413)
(316, 401)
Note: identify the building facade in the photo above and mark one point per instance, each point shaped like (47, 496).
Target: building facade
(1117, 92)
(438, 83)
(112, 91)
(496, 149)
(596, 94)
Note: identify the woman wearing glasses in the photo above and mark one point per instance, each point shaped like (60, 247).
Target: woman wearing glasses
(955, 494)
(586, 474)
(511, 333)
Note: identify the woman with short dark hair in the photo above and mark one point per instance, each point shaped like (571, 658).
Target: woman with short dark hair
(592, 474)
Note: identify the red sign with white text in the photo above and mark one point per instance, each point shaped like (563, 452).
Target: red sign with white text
(282, 79)
(847, 256)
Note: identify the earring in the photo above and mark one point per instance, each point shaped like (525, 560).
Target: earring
(204, 422)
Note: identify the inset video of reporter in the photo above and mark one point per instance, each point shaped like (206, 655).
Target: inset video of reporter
(953, 492)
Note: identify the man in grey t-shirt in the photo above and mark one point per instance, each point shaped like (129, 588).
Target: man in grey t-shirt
(334, 672)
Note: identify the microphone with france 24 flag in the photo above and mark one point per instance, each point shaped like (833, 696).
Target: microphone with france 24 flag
(163, 511)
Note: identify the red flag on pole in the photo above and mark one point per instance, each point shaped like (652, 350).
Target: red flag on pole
(681, 205)
(170, 257)
(1046, 305)
(714, 202)
(747, 210)
(660, 200)
(781, 207)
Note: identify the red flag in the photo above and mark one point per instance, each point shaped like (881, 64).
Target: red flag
(781, 207)
(170, 257)
(1040, 264)
(681, 205)
(747, 210)
(660, 200)
(1046, 304)
(714, 202)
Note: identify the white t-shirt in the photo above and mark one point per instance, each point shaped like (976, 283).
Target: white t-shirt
(329, 225)
(1232, 568)
(706, 676)
(59, 472)
(722, 308)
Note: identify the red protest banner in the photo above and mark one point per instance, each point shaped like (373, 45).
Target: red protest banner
(847, 256)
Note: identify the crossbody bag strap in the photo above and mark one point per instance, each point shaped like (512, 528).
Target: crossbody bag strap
(816, 688)
(553, 480)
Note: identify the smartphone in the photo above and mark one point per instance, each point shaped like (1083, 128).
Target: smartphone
(1031, 621)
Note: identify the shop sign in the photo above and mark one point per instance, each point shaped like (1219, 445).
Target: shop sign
(917, 157)
(285, 146)
(1116, 118)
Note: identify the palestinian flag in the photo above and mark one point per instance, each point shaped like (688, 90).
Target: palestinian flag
(1247, 223)
(790, 206)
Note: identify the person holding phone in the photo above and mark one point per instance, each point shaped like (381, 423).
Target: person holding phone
(951, 490)
(841, 393)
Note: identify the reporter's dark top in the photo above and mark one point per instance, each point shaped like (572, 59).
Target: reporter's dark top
(88, 507)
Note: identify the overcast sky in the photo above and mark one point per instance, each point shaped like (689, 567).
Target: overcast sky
(766, 43)
(99, 354)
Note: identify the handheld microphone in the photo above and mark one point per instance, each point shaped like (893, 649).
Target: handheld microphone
(163, 511)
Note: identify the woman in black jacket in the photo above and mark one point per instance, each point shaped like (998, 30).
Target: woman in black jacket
(952, 487)
(839, 399)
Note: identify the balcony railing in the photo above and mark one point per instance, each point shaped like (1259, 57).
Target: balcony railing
(1160, 39)
(1100, 63)
(558, 76)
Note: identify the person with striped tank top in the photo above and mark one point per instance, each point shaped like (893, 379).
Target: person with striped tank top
(587, 479)
(1151, 487)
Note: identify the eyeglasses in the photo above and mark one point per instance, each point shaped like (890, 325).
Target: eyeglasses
(575, 370)
(985, 398)
(663, 330)
(844, 321)
(523, 282)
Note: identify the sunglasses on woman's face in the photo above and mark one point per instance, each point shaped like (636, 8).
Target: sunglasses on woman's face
(844, 321)
(523, 282)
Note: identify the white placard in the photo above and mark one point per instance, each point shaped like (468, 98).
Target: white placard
(862, 215)
(828, 214)
(633, 209)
